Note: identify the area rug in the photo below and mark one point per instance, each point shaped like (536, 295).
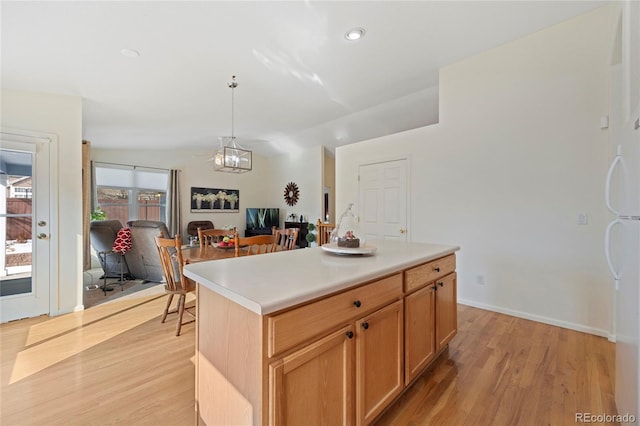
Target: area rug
(94, 295)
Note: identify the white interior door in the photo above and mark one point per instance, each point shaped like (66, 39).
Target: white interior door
(24, 227)
(382, 195)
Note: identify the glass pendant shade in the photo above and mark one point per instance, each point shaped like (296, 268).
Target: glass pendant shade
(233, 159)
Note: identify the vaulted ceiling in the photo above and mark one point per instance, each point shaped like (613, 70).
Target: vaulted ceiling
(301, 83)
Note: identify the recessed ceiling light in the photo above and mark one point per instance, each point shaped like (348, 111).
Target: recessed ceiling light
(130, 53)
(354, 34)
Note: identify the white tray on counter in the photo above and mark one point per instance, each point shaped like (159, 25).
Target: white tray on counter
(333, 248)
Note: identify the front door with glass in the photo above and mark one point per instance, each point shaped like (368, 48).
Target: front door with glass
(24, 227)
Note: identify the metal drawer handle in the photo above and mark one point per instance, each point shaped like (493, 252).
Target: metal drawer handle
(357, 303)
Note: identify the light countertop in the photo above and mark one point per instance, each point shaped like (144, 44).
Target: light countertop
(270, 282)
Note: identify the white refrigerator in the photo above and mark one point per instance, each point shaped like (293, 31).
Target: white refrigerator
(622, 250)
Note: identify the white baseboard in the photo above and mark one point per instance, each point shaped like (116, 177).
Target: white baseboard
(539, 318)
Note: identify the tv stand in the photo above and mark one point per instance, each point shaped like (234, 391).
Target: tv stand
(257, 231)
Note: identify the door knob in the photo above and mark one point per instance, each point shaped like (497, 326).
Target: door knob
(42, 236)
(42, 223)
(403, 230)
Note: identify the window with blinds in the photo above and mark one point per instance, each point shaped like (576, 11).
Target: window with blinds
(131, 192)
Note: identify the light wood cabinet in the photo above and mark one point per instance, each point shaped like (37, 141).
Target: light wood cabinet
(420, 332)
(430, 313)
(302, 324)
(379, 360)
(340, 359)
(446, 310)
(315, 382)
(426, 273)
(321, 381)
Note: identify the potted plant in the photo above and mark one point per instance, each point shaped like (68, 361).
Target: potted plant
(98, 214)
(311, 235)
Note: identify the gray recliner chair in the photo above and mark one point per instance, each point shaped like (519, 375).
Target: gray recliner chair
(102, 234)
(143, 259)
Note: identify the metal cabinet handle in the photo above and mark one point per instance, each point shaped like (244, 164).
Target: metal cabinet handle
(437, 269)
(365, 325)
(349, 334)
(357, 303)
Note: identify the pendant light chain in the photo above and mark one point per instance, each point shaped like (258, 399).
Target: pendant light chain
(233, 85)
(231, 157)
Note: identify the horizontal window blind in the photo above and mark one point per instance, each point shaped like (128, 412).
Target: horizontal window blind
(122, 176)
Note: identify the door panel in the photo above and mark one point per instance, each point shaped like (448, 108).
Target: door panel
(24, 227)
(383, 200)
(446, 310)
(420, 341)
(314, 383)
(379, 361)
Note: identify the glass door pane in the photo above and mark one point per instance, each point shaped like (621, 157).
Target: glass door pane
(16, 222)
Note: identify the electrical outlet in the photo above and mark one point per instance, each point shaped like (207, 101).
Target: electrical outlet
(480, 279)
(582, 219)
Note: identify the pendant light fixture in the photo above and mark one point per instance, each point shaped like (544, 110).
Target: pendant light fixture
(231, 157)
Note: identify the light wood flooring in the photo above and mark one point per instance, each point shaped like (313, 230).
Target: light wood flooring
(116, 364)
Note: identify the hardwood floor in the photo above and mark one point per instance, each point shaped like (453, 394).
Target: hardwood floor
(502, 370)
(116, 364)
(113, 364)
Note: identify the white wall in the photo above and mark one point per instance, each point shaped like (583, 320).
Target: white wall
(304, 168)
(196, 171)
(60, 115)
(517, 155)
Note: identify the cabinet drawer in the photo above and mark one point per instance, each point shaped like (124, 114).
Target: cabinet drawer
(293, 327)
(430, 271)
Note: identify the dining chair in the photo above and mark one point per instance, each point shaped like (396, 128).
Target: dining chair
(285, 238)
(209, 237)
(324, 232)
(192, 227)
(170, 251)
(259, 244)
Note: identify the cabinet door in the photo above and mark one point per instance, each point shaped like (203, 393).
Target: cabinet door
(419, 332)
(314, 386)
(446, 310)
(379, 360)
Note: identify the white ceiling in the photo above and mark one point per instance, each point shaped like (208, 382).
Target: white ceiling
(300, 82)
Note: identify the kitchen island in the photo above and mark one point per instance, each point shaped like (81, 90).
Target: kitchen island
(306, 336)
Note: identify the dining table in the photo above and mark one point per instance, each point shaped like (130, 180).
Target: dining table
(194, 254)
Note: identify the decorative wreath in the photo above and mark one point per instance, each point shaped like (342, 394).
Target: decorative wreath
(291, 193)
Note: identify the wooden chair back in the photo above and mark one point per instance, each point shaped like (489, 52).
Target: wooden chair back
(259, 244)
(209, 237)
(324, 232)
(170, 251)
(285, 238)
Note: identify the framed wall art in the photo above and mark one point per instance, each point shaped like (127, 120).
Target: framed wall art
(214, 200)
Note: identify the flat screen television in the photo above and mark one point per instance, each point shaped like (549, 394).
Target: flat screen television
(263, 218)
